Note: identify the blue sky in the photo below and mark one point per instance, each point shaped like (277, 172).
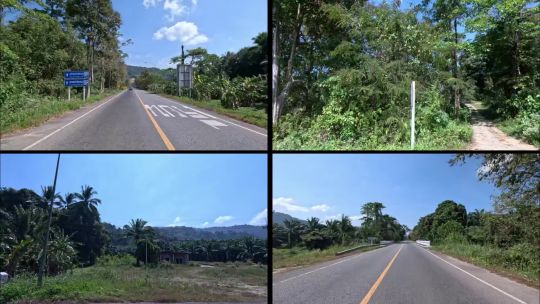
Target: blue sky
(409, 185)
(217, 25)
(197, 190)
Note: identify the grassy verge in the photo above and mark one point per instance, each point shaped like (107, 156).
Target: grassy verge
(254, 116)
(165, 283)
(35, 110)
(523, 128)
(504, 262)
(298, 135)
(284, 258)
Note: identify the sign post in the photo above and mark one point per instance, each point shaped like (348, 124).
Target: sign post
(76, 79)
(412, 113)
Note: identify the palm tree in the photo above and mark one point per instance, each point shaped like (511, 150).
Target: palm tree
(292, 227)
(344, 227)
(313, 224)
(87, 199)
(68, 199)
(138, 231)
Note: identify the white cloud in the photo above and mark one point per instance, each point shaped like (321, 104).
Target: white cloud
(222, 219)
(186, 32)
(321, 207)
(205, 224)
(260, 219)
(177, 222)
(175, 8)
(149, 3)
(286, 204)
(332, 217)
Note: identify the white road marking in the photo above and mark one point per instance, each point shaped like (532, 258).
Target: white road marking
(152, 111)
(178, 111)
(224, 120)
(309, 272)
(214, 123)
(163, 107)
(160, 110)
(73, 121)
(486, 283)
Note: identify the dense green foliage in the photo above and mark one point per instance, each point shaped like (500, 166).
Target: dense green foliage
(236, 79)
(315, 235)
(41, 43)
(342, 71)
(508, 237)
(77, 237)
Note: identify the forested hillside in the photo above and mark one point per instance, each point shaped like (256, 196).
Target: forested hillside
(41, 40)
(507, 238)
(342, 72)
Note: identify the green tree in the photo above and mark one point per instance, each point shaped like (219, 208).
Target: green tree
(139, 232)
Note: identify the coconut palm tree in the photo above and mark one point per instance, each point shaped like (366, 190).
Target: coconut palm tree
(138, 230)
(69, 199)
(86, 199)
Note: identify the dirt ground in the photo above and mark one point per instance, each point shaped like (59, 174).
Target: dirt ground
(486, 136)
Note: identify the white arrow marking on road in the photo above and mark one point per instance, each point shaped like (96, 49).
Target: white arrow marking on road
(214, 123)
(232, 123)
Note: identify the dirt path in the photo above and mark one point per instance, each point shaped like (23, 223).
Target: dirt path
(486, 136)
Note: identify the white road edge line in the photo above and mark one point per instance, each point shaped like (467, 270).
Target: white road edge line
(232, 123)
(73, 121)
(309, 272)
(488, 284)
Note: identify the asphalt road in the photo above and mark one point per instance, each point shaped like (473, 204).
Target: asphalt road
(139, 120)
(416, 275)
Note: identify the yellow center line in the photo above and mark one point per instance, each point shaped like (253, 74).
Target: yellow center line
(158, 128)
(379, 279)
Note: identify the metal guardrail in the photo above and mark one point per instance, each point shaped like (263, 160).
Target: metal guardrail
(355, 248)
(424, 243)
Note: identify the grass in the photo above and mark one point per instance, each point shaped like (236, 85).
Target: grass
(38, 109)
(496, 259)
(164, 283)
(285, 258)
(254, 116)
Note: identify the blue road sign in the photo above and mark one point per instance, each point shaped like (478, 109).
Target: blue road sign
(69, 75)
(76, 83)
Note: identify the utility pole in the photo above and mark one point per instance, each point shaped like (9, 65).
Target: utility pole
(46, 239)
(183, 56)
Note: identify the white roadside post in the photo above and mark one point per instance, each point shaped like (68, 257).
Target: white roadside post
(84, 93)
(69, 93)
(412, 113)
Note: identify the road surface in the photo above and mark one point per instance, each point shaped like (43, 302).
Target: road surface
(139, 120)
(398, 273)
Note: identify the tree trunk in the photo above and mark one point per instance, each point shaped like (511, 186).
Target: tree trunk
(457, 95)
(282, 97)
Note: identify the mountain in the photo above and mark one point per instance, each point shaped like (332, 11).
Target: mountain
(212, 233)
(189, 233)
(279, 218)
(135, 71)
